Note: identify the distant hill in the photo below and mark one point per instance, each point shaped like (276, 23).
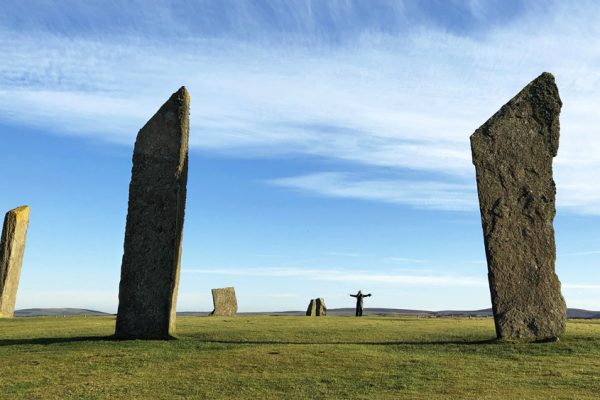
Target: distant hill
(402, 311)
(571, 312)
(579, 313)
(55, 312)
(487, 312)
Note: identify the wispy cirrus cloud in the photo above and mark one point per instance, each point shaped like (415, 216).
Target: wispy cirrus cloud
(580, 253)
(402, 260)
(404, 95)
(363, 276)
(342, 254)
(580, 286)
(421, 194)
(345, 276)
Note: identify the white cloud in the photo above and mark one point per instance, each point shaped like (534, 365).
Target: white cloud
(402, 260)
(400, 289)
(273, 296)
(342, 254)
(423, 194)
(580, 286)
(403, 102)
(345, 276)
(580, 253)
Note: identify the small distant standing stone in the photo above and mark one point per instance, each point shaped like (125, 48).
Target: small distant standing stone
(513, 153)
(152, 249)
(12, 247)
(316, 308)
(224, 302)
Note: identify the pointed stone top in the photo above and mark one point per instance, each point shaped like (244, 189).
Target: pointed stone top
(20, 212)
(544, 75)
(166, 133)
(539, 102)
(182, 96)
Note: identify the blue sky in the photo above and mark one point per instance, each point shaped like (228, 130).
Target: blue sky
(329, 143)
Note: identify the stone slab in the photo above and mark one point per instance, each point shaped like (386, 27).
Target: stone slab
(512, 153)
(153, 234)
(224, 302)
(316, 308)
(12, 248)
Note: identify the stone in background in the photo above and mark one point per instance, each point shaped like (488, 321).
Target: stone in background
(224, 301)
(316, 308)
(12, 248)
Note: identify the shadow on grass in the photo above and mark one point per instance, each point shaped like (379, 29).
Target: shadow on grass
(74, 339)
(390, 343)
(112, 338)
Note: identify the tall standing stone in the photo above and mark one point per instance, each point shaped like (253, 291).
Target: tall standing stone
(12, 247)
(316, 308)
(152, 250)
(224, 302)
(513, 153)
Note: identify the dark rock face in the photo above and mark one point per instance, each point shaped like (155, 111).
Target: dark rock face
(224, 301)
(513, 153)
(316, 308)
(152, 250)
(12, 247)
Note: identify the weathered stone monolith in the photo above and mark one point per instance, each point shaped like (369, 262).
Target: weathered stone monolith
(12, 247)
(316, 308)
(513, 153)
(224, 302)
(153, 235)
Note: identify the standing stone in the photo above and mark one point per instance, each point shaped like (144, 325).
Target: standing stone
(316, 308)
(224, 302)
(12, 247)
(152, 250)
(513, 153)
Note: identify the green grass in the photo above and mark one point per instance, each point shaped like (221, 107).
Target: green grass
(295, 358)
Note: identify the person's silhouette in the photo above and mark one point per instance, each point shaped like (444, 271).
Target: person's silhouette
(359, 302)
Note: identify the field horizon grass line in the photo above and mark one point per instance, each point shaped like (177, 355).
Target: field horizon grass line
(112, 338)
(262, 357)
(241, 341)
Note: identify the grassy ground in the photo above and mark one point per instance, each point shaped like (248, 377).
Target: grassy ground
(294, 358)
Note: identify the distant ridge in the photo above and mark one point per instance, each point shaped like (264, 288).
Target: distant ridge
(55, 312)
(487, 312)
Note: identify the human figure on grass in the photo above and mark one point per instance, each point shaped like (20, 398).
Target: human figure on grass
(359, 302)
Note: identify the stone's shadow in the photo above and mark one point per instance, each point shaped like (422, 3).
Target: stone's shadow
(112, 338)
(115, 338)
(45, 341)
(390, 343)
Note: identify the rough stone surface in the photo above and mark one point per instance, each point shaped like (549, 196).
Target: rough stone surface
(12, 247)
(224, 302)
(153, 235)
(513, 153)
(316, 308)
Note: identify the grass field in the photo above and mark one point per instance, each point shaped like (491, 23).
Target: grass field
(294, 358)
